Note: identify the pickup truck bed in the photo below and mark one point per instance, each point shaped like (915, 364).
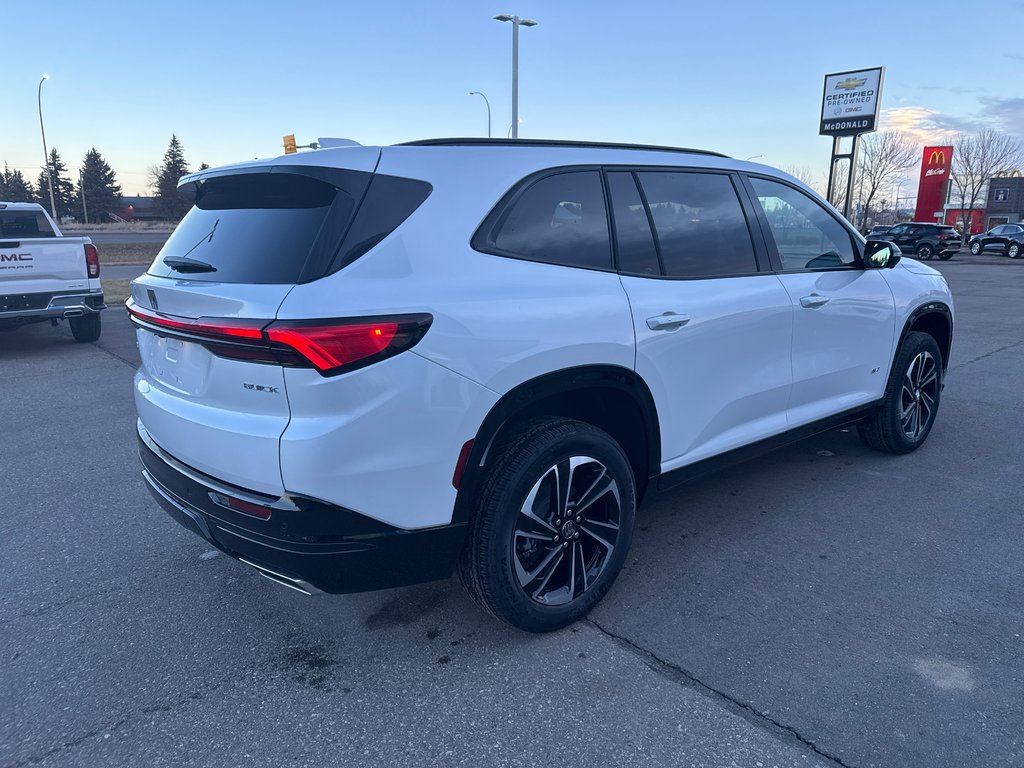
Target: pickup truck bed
(45, 276)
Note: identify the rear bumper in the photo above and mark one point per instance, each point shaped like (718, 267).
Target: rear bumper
(25, 307)
(306, 544)
(950, 247)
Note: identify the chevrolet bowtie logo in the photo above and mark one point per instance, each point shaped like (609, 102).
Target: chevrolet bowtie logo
(851, 83)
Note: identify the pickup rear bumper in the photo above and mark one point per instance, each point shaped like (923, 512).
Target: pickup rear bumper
(18, 308)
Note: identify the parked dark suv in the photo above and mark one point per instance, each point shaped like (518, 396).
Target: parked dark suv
(924, 239)
(1008, 238)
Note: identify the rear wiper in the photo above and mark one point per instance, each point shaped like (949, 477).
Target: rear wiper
(188, 265)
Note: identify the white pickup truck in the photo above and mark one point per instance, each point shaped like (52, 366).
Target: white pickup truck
(46, 276)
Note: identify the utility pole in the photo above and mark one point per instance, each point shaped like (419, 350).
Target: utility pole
(81, 188)
(46, 154)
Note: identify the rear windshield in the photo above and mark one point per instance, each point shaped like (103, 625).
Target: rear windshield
(948, 230)
(258, 228)
(24, 224)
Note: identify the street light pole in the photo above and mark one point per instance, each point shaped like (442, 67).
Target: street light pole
(477, 93)
(46, 154)
(516, 23)
(81, 188)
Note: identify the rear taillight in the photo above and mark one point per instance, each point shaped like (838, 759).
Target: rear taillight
(92, 260)
(331, 346)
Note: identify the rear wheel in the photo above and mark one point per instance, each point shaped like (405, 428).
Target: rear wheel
(976, 247)
(553, 524)
(1013, 250)
(903, 420)
(85, 328)
(925, 251)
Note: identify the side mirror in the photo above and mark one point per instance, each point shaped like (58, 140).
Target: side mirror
(881, 254)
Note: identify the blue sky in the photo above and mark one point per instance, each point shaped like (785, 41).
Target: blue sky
(230, 78)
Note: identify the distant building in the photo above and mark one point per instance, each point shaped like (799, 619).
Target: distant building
(139, 208)
(1005, 201)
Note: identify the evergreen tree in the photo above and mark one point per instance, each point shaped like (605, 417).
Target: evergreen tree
(63, 189)
(203, 166)
(102, 192)
(165, 183)
(14, 188)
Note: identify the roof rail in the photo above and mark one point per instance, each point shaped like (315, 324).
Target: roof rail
(475, 142)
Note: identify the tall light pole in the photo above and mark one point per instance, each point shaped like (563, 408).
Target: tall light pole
(516, 23)
(477, 93)
(46, 154)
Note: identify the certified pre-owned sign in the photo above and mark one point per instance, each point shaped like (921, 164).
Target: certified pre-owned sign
(850, 102)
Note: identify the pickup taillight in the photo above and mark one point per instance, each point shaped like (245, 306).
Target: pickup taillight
(92, 260)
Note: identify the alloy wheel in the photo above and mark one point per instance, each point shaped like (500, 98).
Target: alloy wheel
(566, 530)
(1013, 251)
(918, 395)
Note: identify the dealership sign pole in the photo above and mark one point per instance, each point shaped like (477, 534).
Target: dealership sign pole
(849, 107)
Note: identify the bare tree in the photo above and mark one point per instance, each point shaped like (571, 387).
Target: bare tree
(838, 192)
(884, 158)
(976, 159)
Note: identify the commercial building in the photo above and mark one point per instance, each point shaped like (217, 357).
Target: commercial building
(1005, 200)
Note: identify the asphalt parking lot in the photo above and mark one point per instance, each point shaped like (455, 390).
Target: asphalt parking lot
(821, 606)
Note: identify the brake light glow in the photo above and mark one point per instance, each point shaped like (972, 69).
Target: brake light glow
(92, 261)
(329, 346)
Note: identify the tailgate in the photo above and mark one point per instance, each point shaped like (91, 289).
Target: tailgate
(42, 265)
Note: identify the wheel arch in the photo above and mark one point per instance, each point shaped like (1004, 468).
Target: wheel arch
(935, 319)
(610, 397)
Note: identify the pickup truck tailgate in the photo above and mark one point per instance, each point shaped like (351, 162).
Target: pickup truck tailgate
(39, 265)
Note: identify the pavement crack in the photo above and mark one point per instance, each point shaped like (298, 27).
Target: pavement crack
(995, 351)
(116, 356)
(677, 674)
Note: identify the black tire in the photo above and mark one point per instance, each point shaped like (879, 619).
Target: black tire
(85, 328)
(1013, 250)
(925, 251)
(909, 391)
(976, 247)
(505, 545)
(947, 255)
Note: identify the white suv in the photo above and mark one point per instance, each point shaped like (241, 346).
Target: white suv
(365, 367)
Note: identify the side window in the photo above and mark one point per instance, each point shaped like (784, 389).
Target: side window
(637, 252)
(899, 229)
(806, 235)
(560, 219)
(699, 222)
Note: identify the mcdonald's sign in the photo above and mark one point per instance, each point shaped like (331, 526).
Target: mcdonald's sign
(1015, 173)
(931, 190)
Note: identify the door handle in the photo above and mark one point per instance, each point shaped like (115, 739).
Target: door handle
(814, 300)
(667, 321)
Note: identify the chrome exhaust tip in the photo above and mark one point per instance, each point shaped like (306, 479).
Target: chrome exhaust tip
(285, 581)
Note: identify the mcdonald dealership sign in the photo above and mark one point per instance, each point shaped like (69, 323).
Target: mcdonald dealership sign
(931, 190)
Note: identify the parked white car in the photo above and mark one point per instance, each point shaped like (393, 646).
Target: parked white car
(367, 367)
(46, 276)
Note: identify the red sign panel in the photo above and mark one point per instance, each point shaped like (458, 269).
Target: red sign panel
(931, 190)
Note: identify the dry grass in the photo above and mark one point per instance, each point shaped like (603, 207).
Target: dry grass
(115, 292)
(128, 253)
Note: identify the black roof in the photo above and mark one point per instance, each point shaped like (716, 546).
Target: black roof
(475, 142)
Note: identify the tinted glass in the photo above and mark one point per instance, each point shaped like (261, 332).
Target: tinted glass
(806, 235)
(389, 201)
(700, 224)
(257, 228)
(637, 254)
(899, 229)
(999, 230)
(560, 219)
(24, 224)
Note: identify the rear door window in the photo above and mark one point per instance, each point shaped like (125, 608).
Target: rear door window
(24, 225)
(699, 224)
(559, 219)
(259, 227)
(633, 238)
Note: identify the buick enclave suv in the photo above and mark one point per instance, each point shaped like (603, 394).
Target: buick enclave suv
(365, 367)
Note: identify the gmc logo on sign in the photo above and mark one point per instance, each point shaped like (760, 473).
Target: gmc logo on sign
(15, 257)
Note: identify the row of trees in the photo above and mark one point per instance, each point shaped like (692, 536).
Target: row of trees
(886, 157)
(97, 183)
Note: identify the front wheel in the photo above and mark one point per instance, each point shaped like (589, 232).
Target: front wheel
(925, 252)
(905, 417)
(85, 328)
(552, 525)
(1013, 250)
